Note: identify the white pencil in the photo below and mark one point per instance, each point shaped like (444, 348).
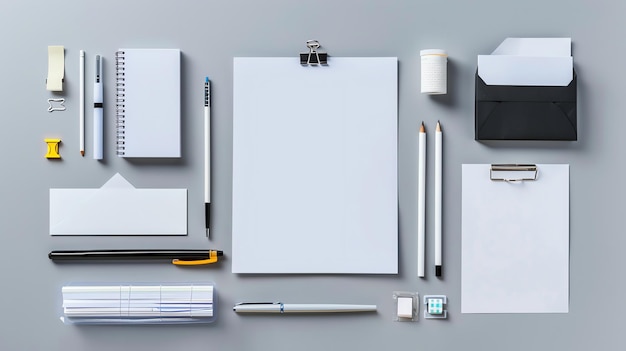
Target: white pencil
(421, 201)
(438, 182)
(81, 109)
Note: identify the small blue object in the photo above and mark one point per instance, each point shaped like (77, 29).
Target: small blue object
(435, 307)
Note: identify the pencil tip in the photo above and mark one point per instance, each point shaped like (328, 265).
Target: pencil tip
(422, 128)
(438, 127)
(82, 153)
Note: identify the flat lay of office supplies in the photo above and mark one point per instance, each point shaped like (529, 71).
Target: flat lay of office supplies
(515, 238)
(279, 307)
(315, 182)
(526, 90)
(164, 303)
(118, 208)
(148, 103)
(178, 257)
(305, 142)
(298, 160)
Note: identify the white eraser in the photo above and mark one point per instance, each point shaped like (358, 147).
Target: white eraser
(405, 307)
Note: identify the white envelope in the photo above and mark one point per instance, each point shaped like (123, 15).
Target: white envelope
(118, 208)
(528, 62)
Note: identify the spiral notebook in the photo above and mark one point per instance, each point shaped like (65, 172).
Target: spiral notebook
(148, 103)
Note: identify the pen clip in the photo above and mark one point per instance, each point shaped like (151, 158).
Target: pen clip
(212, 259)
(98, 69)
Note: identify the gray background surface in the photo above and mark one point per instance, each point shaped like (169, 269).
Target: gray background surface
(210, 34)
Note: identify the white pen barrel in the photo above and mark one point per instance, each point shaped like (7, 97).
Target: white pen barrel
(327, 308)
(81, 109)
(259, 308)
(98, 122)
(98, 126)
(207, 154)
(301, 308)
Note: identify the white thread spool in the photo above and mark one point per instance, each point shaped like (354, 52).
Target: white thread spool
(434, 71)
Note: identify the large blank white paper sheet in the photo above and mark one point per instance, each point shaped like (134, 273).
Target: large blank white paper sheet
(315, 166)
(515, 248)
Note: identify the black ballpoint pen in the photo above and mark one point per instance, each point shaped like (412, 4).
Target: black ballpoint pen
(207, 154)
(178, 257)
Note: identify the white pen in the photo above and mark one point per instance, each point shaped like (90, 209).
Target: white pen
(207, 154)
(421, 201)
(81, 109)
(438, 183)
(279, 307)
(98, 122)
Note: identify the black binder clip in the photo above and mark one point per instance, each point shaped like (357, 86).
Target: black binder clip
(313, 57)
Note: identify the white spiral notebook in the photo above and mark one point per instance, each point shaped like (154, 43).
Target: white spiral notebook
(148, 103)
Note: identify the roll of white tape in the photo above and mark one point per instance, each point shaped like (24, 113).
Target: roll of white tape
(434, 71)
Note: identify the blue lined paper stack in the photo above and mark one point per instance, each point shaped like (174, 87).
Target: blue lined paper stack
(138, 304)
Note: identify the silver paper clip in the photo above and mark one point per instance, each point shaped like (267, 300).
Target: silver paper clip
(522, 172)
(53, 107)
(313, 57)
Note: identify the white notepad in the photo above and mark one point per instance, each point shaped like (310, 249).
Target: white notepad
(148, 103)
(315, 166)
(515, 248)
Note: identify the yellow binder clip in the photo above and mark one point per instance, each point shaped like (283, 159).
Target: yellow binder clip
(53, 148)
(213, 254)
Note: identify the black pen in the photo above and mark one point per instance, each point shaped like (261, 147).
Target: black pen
(207, 154)
(178, 257)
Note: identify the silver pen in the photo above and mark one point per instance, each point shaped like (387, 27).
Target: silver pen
(279, 307)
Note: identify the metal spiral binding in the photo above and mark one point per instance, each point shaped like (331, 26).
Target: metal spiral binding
(120, 102)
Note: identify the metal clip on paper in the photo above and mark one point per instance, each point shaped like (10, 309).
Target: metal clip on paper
(56, 68)
(313, 57)
(513, 172)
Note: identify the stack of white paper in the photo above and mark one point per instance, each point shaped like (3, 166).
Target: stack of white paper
(136, 304)
(529, 61)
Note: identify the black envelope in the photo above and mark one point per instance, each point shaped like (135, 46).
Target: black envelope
(506, 112)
